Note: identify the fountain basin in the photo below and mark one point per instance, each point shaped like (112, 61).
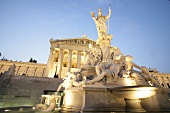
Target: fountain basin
(132, 96)
(134, 92)
(93, 99)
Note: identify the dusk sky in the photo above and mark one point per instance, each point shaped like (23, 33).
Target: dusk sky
(140, 28)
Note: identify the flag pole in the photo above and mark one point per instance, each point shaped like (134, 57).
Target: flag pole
(108, 21)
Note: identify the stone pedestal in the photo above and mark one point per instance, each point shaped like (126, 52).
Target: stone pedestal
(104, 39)
(133, 105)
(88, 70)
(73, 99)
(98, 99)
(103, 99)
(92, 99)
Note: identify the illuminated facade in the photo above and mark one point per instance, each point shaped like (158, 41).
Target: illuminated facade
(24, 68)
(67, 55)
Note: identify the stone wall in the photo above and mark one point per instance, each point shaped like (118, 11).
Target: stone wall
(29, 68)
(159, 102)
(24, 68)
(162, 78)
(24, 90)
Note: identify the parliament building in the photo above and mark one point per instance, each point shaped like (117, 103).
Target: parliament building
(65, 55)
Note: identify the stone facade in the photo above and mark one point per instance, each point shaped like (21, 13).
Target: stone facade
(24, 90)
(67, 55)
(24, 68)
(162, 78)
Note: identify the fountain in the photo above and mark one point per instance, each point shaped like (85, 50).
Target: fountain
(133, 94)
(107, 81)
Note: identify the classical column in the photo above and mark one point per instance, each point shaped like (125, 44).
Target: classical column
(69, 60)
(60, 63)
(78, 59)
(85, 55)
(48, 71)
(43, 72)
(18, 70)
(26, 71)
(1, 67)
(35, 71)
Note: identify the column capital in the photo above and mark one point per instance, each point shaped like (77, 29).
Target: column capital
(79, 52)
(70, 50)
(61, 49)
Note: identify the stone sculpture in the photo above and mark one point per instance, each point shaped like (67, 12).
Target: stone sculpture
(115, 51)
(103, 37)
(71, 80)
(107, 73)
(139, 76)
(45, 108)
(110, 72)
(93, 56)
(100, 21)
(106, 51)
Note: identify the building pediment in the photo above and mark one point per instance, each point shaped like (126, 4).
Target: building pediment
(72, 41)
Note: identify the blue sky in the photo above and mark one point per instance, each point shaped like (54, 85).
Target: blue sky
(140, 28)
